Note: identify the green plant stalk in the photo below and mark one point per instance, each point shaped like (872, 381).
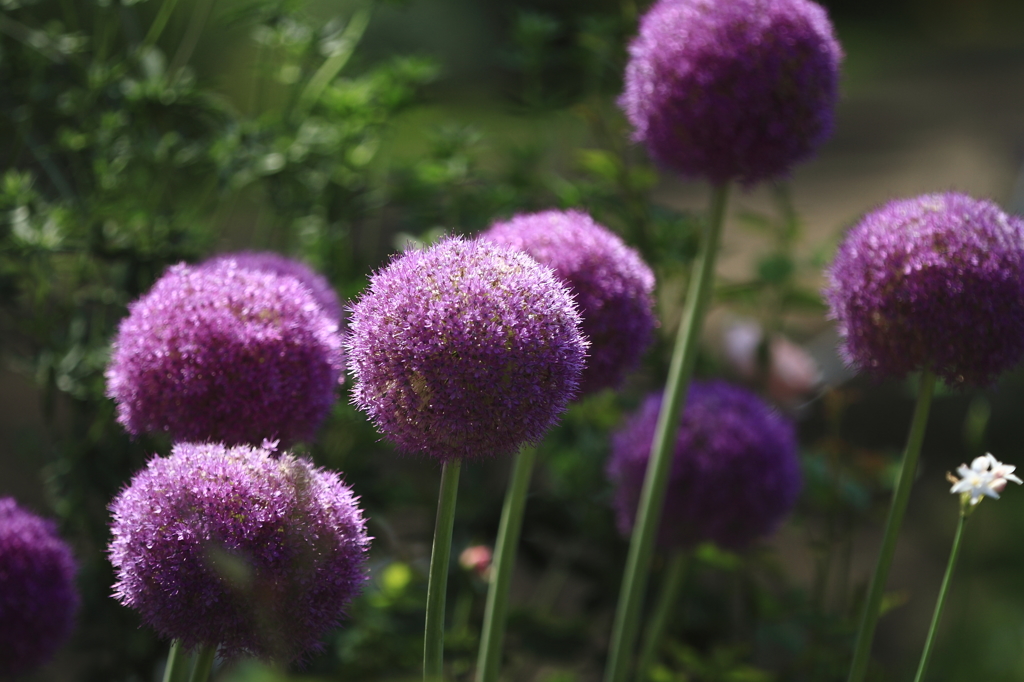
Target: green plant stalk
(940, 603)
(495, 612)
(652, 495)
(437, 582)
(159, 23)
(670, 586)
(900, 496)
(204, 663)
(179, 663)
(330, 68)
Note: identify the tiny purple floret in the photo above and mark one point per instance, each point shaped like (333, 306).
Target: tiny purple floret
(612, 285)
(737, 90)
(735, 472)
(276, 264)
(255, 551)
(38, 597)
(934, 282)
(225, 354)
(466, 349)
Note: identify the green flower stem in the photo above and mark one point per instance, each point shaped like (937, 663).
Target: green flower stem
(652, 495)
(900, 496)
(179, 663)
(159, 23)
(493, 635)
(204, 663)
(437, 583)
(673, 580)
(922, 667)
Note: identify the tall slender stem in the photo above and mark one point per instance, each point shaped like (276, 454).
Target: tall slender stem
(204, 663)
(488, 660)
(670, 585)
(437, 582)
(179, 663)
(652, 495)
(940, 603)
(160, 22)
(904, 481)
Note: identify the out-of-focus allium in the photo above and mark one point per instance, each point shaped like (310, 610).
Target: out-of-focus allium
(38, 598)
(934, 282)
(240, 547)
(612, 285)
(225, 354)
(275, 263)
(735, 473)
(464, 350)
(737, 90)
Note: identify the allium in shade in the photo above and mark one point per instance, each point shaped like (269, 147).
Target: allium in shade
(38, 598)
(612, 285)
(464, 350)
(257, 552)
(935, 282)
(225, 354)
(275, 263)
(737, 90)
(735, 473)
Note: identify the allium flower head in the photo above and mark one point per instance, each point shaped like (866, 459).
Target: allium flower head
(735, 473)
(934, 282)
(737, 90)
(225, 354)
(276, 264)
(240, 547)
(464, 350)
(612, 285)
(38, 598)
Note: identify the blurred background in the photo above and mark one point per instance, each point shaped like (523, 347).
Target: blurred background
(144, 133)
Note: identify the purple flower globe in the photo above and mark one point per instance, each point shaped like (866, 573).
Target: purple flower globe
(225, 354)
(735, 473)
(38, 598)
(737, 90)
(276, 264)
(932, 282)
(242, 547)
(612, 284)
(464, 350)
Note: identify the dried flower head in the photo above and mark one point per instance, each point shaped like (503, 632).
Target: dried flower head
(933, 282)
(612, 285)
(732, 90)
(464, 350)
(257, 552)
(276, 264)
(735, 473)
(38, 598)
(225, 354)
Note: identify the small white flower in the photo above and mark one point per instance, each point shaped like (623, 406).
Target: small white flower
(986, 476)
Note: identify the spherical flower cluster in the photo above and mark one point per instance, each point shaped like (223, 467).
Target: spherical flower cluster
(225, 354)
(732, 90)
(276, 264)
(612, 285)
(735, 473)
(257, 552)
(466, 349)
(38, 598)
(933, 282)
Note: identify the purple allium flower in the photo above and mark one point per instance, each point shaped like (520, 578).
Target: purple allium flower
(732, 90)
(735, 473)
(38, 598)
(464, 350)
(257, 552)
(612, 285)
(275, 263)
(934, 282)
(225, 354)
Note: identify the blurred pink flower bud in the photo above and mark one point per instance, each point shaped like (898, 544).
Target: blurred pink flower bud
(477, 559)
(791, 373)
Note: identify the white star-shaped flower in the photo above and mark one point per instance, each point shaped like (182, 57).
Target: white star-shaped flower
(986, 476)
